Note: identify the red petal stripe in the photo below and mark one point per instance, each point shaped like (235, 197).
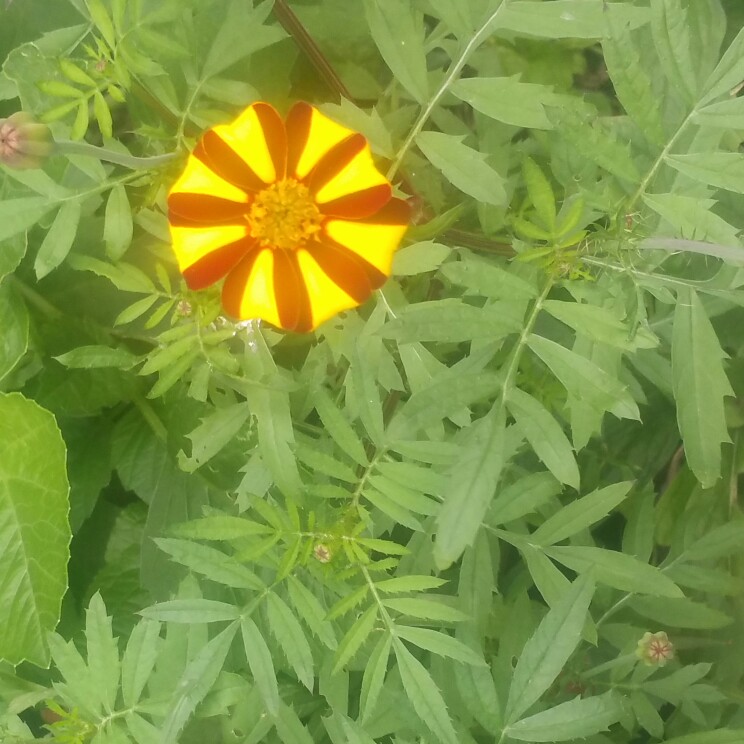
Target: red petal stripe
(186, 209)
(217, 264)
(219, 157)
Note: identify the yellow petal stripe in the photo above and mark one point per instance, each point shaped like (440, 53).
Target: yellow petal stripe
(190, 244)
(374, 243)
(246, 136)
(250, 293)
(358, 175)
(326, 298)
(197, 178)
(323, 134)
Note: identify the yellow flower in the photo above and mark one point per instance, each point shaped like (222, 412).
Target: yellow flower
(293, 214)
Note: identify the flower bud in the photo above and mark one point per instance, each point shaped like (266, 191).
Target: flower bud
(655, 649)
(24, 142)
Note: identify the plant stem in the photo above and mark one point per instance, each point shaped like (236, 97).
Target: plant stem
(452, 74)
(68, 147)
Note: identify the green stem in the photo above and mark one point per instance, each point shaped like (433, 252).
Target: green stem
(452, 74)
(68, 147)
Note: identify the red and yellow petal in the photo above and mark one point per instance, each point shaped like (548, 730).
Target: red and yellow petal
(192, 244)
(258, 136)
(198, 178)
(374, 239)
(248, 291)
(310, 135)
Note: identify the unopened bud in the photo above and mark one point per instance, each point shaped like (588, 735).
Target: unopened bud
(24, 142)
(655, 649)
(322, 553)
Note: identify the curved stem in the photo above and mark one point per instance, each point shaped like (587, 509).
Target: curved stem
(68, 147)
(452, 74)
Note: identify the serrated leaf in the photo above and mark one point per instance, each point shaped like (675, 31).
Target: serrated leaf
(580, 514)
(426, 699)
(646, 714)
(289, 727)
(619, 570)
(374, 676)
(210, 563)
(191, 611)
(419, 258)
(523, 497)
(722, 169)
(17, 215)
(287, 630)
(398, 31)
(700, 385)
(195, 682)
(59, 238)
(549, 648)
(463, 166)
(139, 660)
(575, 719)
(219, 527)
(488, 279)
(583, 379)
(33, 482)
(14, 321)
(312, 612)
(103, 653)
(728, 114)
(338, 426)
(262, 667)
(545, 436)
(355, 637)
(470, 488)
(439, 643)
(671, 34)
(728, 73)
(717, 543)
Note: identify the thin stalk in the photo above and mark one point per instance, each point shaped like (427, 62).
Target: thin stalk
(452, 74)
(68, 147)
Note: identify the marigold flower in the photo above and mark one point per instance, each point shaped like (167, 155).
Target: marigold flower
(293, 214)
(24, 142)
(655, 649)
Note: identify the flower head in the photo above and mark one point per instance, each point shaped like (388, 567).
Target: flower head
(24, 142)
(655, 649)
(293, 214)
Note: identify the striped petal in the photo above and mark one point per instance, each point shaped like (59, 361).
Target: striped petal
(199, 178)
(310, 135)
(188, 208)
(192, 244)
(258, 136)
(216, 265)
(248, 291)
(374, 239)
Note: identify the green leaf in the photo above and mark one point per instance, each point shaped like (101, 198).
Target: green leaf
(464, 167)
(419, 258)
(103, 115)
(575, 719)
(599, 324)
(288, 631)
(722, 169)
(262, 667)
(195, 682)
(82, 119)
(338, 426)
(671, 35)
(619, 570)
(118, 226)
(549, 648)
(728, 73)
(312, 612)
(471, 487)
(646, 714)
(17, 215)
(210, 562)
(564, 19)
(103, 653)
(426, 609)
(507, 99)
(426, 699)
(727, 114)
(59, 238)
(693, 218)
(102, 20)
(700, 385)
(95, 357)
(355, 637)
(545, 436)
(478, 692)
(452, 320)
(485, 278)
(680, 612)
(720, 736)
(72, 72)
(289, 727)
(440, 644)
(219, 527)
(191, 611)
(374, 676)
(409, 583)
(522, 497)
(35, 550)
(59, 89)
(583, 379)
(719, 542)
(139, 660)
(540, 193)
(398, 31)
(15, 324)
(242, 33)
(580, 514)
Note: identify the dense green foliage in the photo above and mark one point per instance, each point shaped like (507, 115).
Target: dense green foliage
(450, 516)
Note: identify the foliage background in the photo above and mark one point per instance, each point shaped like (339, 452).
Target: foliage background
(519, 457)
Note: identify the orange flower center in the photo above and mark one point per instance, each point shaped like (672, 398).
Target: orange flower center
(284, 215)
